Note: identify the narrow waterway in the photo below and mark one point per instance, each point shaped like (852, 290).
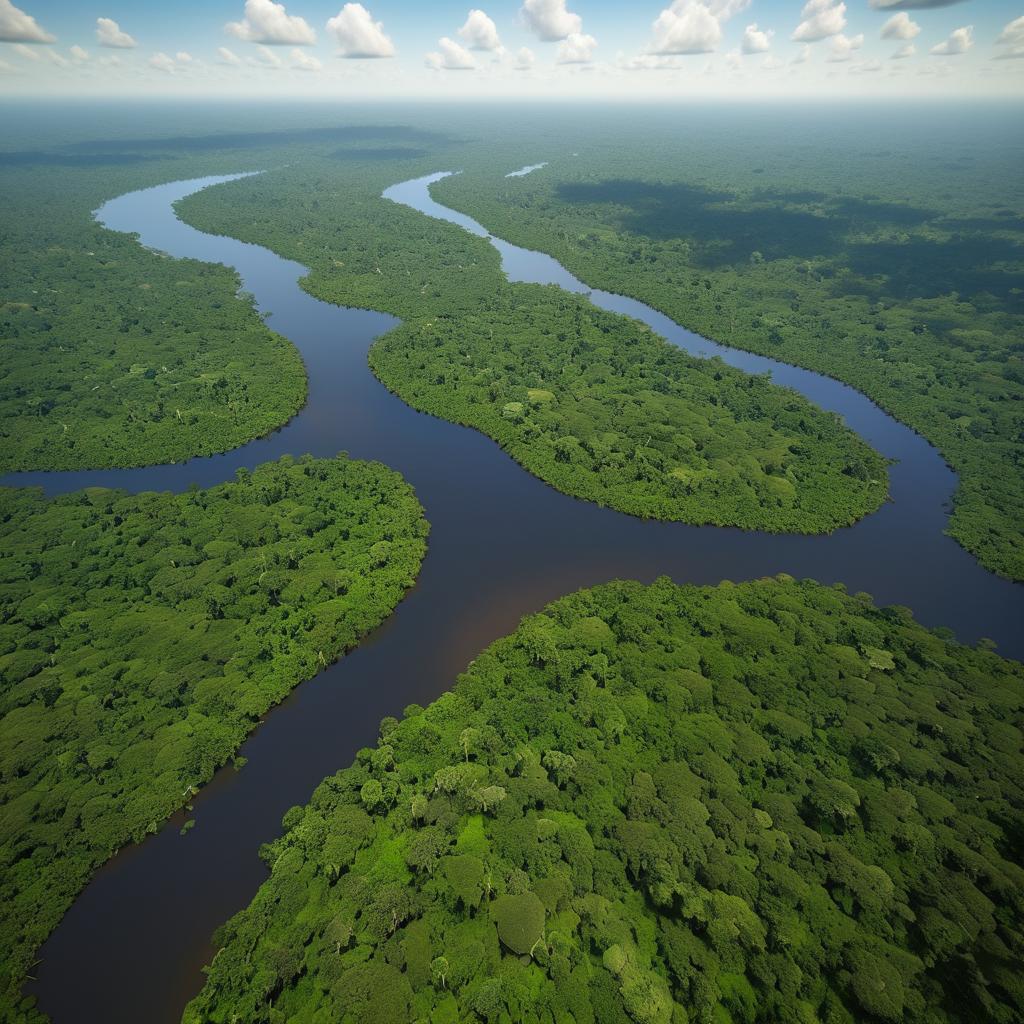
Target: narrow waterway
(502, 544)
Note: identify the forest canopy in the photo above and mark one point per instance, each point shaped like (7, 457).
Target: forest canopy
(767, 802)
(142, 637)
(591, 402)
(895, 266)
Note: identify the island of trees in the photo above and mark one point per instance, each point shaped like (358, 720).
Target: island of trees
(760, 802)
(142, 637)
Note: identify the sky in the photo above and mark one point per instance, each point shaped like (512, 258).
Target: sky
(527, 49)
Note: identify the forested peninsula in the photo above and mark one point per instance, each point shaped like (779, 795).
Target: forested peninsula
(591, 402)
(115, 355)
(143, 636)
(760, 802)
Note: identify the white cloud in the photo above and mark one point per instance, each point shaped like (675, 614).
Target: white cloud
(110, 61)
(358, 34)
(78, 53)
(821, 19)
(184, 58)
(267, 22)
(1012, 37)
(304, 61)
(161, 62)
(266, 59)
(904, 52)
(108, 33)
(450, 56)
(959, 41)
(525, 58)
(577, 49)
(843, 48)
(756, 41)
(225, 56)
(899, 26)
(479, 32)
(771, 63)
(18, 27)
(688, 26)
(550, 21)
(803, 56)
(27, 52)
(734, 60)
(5, 67)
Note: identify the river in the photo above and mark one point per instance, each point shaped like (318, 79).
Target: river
(502, 544)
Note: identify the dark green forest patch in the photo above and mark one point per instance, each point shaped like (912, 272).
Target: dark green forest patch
(141, 638)
(768, 802)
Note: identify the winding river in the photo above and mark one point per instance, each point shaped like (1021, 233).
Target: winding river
(502, 544)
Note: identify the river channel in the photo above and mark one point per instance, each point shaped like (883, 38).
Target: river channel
(502, 544)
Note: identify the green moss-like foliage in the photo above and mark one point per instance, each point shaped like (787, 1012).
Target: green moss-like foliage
(591, 402)
(141, 637)
(628, 420)
(117, 356)
(720, 804)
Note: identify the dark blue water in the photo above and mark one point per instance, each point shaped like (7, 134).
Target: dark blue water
(501, 545)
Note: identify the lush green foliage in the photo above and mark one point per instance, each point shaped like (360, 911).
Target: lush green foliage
(115, 356)
(590, 402)
(767, 802)
(601, 408)
(142, 636)
(890, 256)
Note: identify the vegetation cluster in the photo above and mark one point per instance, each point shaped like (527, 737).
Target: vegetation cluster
(117, 356)
(143, 636)
(760, 802)
(898, 271)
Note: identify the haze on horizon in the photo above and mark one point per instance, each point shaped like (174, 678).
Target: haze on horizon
(529, 49)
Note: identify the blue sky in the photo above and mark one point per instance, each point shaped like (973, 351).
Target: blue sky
(669, 49)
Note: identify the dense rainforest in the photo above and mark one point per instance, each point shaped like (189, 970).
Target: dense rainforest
(117, 356)
(875, 251)
(600, 407)
(591, 402)
(760, 802)
(143, 636)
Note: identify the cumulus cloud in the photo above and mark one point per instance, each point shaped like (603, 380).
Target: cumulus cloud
(959, 41)
(550, 21)
(1012, 37)
(18, 27)
(910, 5)
(108, 33)
(267, 22)
(110, 61)
(843, 48)
(161, 62)
(688, 26)
(525, 58)
(904, 52)
(820, 19)
(771, 63)
(450, 56)
(803, 56)
(479, 32)
(304, 61)
(225, 56)
(899, 26)
(577, 49)
(55, 58)
(756, 41)
(27, 52)
(865, 67)
(358, 35)
(78, 53)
